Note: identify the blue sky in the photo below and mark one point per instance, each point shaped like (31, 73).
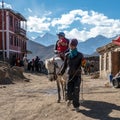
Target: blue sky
(81, 19)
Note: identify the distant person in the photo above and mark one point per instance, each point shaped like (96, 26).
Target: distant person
(13, 61)
(25, 62)
(25, 58)
(33, 65)
(62, 45)
(18, 61)
(36, 62)
(110, 77)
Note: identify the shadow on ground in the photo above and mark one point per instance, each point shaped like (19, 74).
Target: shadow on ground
(99, 110)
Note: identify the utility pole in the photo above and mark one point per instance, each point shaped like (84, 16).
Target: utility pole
(3, 40)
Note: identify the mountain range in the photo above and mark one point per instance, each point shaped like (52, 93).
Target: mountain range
(39, 50)
(46, 40)
(44, 46)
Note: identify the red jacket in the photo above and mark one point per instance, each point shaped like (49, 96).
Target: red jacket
(62, 45)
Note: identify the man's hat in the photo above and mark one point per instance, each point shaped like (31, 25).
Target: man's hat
(61, 34)
(74, 42)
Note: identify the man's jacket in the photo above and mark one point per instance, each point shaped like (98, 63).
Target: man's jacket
(73, 65)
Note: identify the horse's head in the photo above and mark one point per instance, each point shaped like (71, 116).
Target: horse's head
(50, 66)
(53, 65)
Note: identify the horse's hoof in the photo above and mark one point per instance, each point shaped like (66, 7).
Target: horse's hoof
(69, 103)
(58, 101)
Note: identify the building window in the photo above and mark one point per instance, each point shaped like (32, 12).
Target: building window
(11, 39)
(11, 21)
(16, 25)
(25, 45)
(102, 62)
(16, 41)
(19, 42)
(107, 61)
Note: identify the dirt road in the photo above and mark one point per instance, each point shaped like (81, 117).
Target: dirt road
(36, 100)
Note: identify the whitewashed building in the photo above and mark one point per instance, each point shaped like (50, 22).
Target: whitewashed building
(109, 58)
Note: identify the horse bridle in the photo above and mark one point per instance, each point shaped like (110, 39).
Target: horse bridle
(54, 72)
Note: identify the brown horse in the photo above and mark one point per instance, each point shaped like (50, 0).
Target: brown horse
(53, 66)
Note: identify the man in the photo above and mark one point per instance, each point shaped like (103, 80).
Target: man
(110, 77)
(72, 63)
(62, 45)
(36, 63)
(13, 61)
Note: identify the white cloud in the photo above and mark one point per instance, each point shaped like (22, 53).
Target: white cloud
(80, 35)
(29, 10)
(93, 23)
(97, 30)
(39, 25)
(5, 5)
(76, 24)
(47, 13)
(64, 21)
(67, 19)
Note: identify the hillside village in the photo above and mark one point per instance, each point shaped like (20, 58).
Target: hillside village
(17, 48)
(29, 96)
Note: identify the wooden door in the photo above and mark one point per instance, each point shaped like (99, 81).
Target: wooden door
(115, 62)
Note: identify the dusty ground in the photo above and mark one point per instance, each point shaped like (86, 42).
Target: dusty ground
(36, 100)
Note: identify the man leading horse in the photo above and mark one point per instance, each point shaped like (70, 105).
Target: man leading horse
(73, 63)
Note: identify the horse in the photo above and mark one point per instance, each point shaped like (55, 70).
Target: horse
(53, 66)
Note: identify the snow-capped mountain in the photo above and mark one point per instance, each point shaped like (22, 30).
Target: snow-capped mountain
(47, 39)
(88, 47)
(91, 44)
(44, 46)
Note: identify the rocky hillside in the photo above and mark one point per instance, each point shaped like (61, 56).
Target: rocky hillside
(39, 46)
(39, 50)
(8, 75)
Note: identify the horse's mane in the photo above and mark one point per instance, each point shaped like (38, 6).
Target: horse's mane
(54, 59)
(58, 60)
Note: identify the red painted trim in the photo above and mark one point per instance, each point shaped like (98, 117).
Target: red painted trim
(116, 41)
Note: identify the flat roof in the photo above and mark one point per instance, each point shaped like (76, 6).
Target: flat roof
(108, 46)
(19, 15)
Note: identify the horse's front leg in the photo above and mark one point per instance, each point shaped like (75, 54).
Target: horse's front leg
(58, 88)
(63, 89)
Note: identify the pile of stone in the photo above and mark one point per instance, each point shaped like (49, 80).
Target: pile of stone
(10, 74)
(95, 75)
